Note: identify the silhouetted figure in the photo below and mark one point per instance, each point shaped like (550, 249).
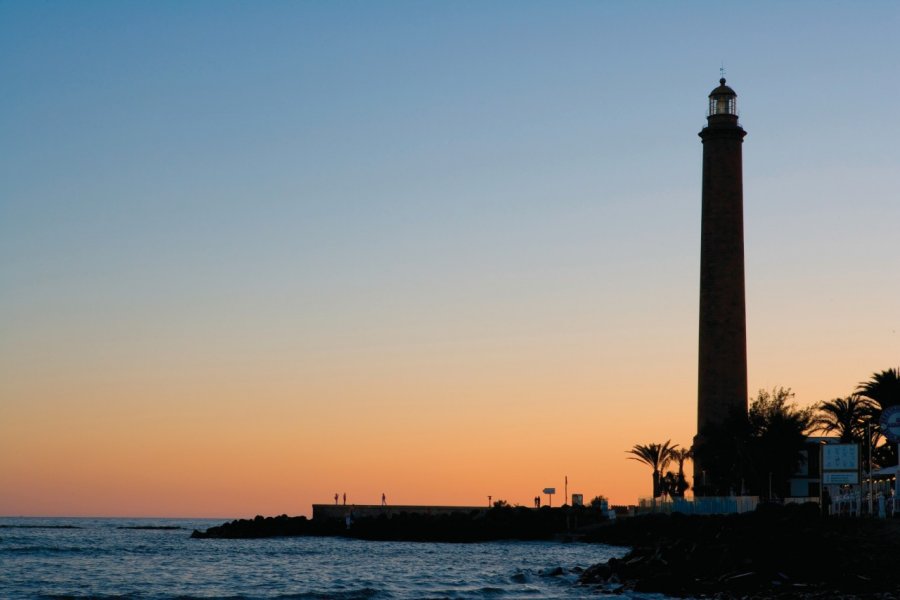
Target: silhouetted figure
(345, 498)
(383, 500)
(335, 499)
(537, 501)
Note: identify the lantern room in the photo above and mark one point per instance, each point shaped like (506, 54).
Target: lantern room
(722, 101)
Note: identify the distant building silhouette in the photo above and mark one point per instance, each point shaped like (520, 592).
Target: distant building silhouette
(722, 372)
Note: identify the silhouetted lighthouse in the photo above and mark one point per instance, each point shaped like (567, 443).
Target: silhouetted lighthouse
(722, 373)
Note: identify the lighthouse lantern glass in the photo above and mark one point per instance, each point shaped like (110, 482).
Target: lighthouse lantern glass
(722, 104)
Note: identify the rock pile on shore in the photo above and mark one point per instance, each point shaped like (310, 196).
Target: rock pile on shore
(775, 552)
(258, 527)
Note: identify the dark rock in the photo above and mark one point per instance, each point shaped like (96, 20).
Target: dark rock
(599, 573)
(259, 527)
(519, 578)
(775, 552)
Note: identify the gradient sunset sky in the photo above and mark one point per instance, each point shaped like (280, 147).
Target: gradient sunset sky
(257, 253)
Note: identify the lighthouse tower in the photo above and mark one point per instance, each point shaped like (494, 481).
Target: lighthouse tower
(722, 373)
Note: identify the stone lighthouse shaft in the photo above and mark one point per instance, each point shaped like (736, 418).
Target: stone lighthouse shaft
(722, 373)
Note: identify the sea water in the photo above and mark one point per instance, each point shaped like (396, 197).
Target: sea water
(110, 558)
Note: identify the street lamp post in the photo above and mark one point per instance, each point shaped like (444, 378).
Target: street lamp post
(869, 464)
(821, 479)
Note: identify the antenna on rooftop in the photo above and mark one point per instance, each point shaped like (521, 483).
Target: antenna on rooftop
(722, 70)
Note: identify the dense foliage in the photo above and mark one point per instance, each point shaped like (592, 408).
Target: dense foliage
(756, 452)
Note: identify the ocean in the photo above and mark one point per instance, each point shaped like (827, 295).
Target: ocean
(61, 558)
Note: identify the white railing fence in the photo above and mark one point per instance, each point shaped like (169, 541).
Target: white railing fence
(705, 505)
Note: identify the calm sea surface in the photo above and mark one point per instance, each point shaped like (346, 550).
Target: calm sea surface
(100, 558)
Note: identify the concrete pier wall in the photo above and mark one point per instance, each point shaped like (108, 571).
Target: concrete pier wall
(340, 511)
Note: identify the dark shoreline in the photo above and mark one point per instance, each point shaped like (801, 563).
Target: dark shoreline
(774, 552)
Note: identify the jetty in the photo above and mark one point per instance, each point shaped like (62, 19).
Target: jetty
(323, 512)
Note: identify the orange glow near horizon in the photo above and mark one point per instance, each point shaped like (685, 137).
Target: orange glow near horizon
(280, 440)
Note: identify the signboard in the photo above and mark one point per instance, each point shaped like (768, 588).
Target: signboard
(840, 464)
(549, 490)
(577, 499)
(890, 423)
(840, 457)
(841, 478)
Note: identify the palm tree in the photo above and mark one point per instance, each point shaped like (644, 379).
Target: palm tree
(675, 484)
(657, 457)
(884, 390)
(680, 455)
(847, 417)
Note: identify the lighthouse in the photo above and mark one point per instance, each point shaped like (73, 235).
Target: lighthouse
(722, 372)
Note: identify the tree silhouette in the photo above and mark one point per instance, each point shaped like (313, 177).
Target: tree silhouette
(779, 435)
(883, 389)
(599, 502)
(657, 457)
(748, 450)
(680, 484)
(847, 417)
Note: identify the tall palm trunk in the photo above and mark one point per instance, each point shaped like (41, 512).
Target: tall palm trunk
(656, 456)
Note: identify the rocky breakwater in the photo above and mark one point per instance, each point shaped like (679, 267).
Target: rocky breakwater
(497, 523)
(260, 527)
(775, 552)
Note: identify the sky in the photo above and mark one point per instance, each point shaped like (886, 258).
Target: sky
(253, 254)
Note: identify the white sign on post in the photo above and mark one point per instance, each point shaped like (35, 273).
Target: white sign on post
(840, 465)
(841, 478)
(890, 427)
(890, 423)
(840, 457)
(550, 492)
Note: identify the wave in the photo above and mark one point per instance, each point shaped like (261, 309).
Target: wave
(9, 526)
(360, 594)
(48, 550)
(91, 596)
(238, 597)
(153, 527)
(135, 597)
(478, 592)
